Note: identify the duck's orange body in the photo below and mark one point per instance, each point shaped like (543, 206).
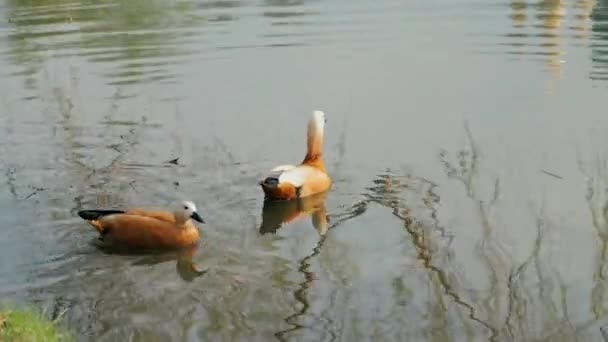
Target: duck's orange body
(144, 229)
(288, 182)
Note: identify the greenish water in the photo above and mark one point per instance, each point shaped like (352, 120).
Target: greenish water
(467, 142)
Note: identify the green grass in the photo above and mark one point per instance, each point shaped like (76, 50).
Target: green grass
(29, 325)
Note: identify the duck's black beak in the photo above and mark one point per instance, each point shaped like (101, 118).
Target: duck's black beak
(196, 216)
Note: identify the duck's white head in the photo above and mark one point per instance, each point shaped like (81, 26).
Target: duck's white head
(318, 120)
(187, 209)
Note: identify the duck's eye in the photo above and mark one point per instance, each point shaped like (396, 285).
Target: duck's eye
(186, 208)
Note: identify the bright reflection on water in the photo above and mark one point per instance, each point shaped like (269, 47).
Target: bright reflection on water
(466, 139)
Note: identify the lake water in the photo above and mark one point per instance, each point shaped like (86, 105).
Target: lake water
(467, 139)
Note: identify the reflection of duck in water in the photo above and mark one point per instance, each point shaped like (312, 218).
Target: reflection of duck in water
(276, 213)
(185, 266)
(287, 182)
(184, 263)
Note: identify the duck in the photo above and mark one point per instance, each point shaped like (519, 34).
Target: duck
(146, 229)
(288, 182)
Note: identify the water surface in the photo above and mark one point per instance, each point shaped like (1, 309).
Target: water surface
(466, 139)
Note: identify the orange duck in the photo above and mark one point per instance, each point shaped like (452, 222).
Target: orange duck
(146, 229)
(286, 182)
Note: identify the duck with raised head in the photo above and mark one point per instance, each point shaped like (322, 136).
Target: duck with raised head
(146, 229)
(287, 182)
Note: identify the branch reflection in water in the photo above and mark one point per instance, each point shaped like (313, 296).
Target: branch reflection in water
(595, 172)
(516, 306)
(276, 214)
(414, 201)
(279, 214)
(522, 297)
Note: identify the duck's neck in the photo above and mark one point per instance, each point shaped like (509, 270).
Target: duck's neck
(180, 219)
(314, 152)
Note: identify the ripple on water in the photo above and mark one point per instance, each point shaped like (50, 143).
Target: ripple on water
(113, 34)
(141, 41)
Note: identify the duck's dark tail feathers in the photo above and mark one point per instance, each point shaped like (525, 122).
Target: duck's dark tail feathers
(270, 182)
(91, 215)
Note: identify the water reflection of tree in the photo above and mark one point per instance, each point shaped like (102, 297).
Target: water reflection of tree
(288, 8)
(582, 26)
(520, 316)
(488, 248)
(519, 14)
(139, 37)
(597, 201)
(525, 298)
(414, 200)
(599, 46)
(548, 17)
(540, 34)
